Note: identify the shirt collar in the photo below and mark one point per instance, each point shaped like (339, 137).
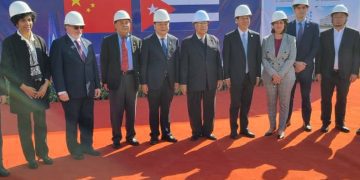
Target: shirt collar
(73, 39)
(165, 38)
(23, 38)
(341, 30)
(120, 37)
(199, 36)
(241, 32)
(302, 22)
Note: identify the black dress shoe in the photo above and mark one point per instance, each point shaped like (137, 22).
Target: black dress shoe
(77, 156)
(4, 172)
(325, 128)
(154, 141)
(234, 136)
(116, 145)
(248, 134)
(211, 137)
(169, 139)
(343, 129)
(33, 164)
(194, 137)
(133, 142)
(47, 160)
(307, 127)
(91, 151)
(358, 132)
(269, 133)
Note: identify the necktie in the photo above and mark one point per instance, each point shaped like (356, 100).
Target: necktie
(163, 45)
(244, 43)
(124, 56)
(80, 51)
(299, 33)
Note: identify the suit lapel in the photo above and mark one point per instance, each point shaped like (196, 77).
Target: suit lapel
(115, 40)
(344, 36)
(198, 45)
(72, 47)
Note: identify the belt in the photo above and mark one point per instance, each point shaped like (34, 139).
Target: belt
(127, 72)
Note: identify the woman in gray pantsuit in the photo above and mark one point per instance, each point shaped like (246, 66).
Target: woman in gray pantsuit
(279, 52)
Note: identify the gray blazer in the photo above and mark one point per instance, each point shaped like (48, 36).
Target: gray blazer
(281, 64)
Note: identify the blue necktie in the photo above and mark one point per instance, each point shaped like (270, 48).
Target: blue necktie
(299, 33)
(244, 43)
(163, 45)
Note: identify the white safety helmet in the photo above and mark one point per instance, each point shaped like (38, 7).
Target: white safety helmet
(340, 8)
(242, 10)
(121, 14)
(19, 7)
(161, 15)
(74, 18)
(298, 2)
(201, 16)
(278, 15)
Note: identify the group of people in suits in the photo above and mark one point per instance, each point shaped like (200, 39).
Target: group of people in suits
(160, 66)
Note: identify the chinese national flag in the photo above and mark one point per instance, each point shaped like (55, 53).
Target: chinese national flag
(98, 14)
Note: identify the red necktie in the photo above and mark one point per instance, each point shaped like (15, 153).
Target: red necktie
(80, 51)
(124, 55)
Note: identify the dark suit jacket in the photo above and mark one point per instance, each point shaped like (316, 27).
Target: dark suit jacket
(15, 66)
(349, 59)
(234, 57)
(309, 45)
(110, 60)
(69, 72)
(155, 64)
(200, 64)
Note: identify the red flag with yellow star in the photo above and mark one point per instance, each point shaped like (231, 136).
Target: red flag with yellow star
(98, 14)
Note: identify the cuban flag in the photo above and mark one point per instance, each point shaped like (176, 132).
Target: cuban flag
(181, 13)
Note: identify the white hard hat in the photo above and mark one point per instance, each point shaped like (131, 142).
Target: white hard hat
(19, 7)
(297, 2)
(74, 18)
(242, 10)
(278, 15)
(201, 16)
(161, 15)
(340, 8)
(121, 14)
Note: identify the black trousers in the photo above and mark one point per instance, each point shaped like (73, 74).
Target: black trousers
(201, 119)
(25, 134)
(159, 103)
(123, 100)
(241, 97)
(327, 89)
(304, 78)
(79, 112)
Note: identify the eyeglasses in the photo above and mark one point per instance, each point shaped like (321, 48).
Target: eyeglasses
(78, 27)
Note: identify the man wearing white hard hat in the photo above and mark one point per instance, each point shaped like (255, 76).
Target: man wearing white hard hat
(307, 44)
(242, 69)
(278, 58)
(120, 63)
(337, 66)
(201, 74)
(25, 64)
(159, 75)
(76, 80)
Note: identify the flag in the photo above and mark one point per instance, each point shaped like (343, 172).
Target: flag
(98, 14)
(52, 29)
(181, 12)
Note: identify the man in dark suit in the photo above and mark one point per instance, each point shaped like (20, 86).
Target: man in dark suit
(159, 75)
(337, 65)
(201, 74)
(120, 58)
(307, 43)
(242, 69)
(3, 171)
(76, 79)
